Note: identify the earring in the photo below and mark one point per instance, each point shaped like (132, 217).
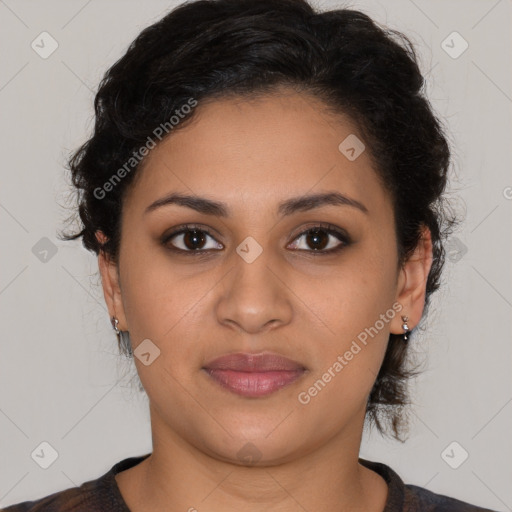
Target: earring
(115, 321)
(405, 327)
(123, 338)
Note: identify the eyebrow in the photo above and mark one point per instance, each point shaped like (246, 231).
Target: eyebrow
(288, 207)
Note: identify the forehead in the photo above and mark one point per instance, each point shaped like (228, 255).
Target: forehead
(249, 151)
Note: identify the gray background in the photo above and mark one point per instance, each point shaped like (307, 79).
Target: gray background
(61, 379)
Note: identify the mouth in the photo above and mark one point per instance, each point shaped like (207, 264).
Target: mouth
(254, 375)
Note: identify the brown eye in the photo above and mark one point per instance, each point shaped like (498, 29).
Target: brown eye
(317, 239)
(190, 239)
(194, 239)
(321, 240)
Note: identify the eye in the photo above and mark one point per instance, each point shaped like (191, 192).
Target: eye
(191, 239)
(317, 238)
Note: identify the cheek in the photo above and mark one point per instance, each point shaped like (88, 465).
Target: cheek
(353, 295)
(352, 319)
(154, 297)
(347, 362)
(164, 303)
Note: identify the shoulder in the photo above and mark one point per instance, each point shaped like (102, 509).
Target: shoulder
(420, 499)
(92, 496)
(412, 498)
(75, 499)
(99, 495)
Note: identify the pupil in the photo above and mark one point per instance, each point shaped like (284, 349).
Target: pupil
(192, 237)
(314, 237)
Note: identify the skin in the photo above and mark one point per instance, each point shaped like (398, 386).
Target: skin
(252, 155)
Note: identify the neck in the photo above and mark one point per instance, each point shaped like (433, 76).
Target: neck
(180, 476)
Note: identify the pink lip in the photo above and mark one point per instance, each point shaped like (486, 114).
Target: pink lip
(254, 375)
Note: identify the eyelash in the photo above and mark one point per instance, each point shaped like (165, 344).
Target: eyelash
(327, 228)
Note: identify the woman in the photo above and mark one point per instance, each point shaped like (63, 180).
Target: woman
(264, 191)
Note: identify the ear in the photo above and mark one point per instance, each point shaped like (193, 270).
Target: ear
(412, 284)
(110, 283)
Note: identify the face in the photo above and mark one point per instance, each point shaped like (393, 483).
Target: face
(255, 279)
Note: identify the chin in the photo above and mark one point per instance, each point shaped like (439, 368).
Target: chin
(258, 453)
(258, 449)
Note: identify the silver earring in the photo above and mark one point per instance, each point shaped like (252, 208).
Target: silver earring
(115, 321)
(405, 327)
(123, 338)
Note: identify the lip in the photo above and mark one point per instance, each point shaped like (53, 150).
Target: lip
(254, 375)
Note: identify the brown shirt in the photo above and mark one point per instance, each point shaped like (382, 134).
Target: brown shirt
(102, 495)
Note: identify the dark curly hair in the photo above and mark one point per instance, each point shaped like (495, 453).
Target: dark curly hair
(209, 49)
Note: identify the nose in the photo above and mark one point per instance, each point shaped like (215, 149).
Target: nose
(254, 296)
